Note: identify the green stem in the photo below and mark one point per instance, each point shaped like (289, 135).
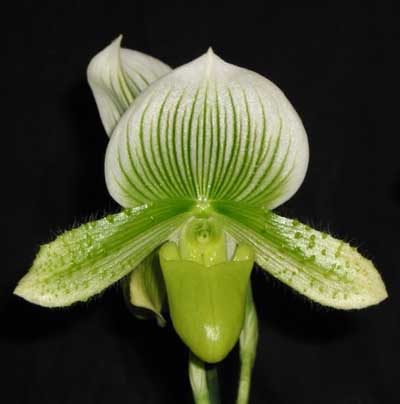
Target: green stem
(213, 385)
(204, 382)
(248, 349)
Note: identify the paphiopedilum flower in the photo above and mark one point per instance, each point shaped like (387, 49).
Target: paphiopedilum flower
(198, 158)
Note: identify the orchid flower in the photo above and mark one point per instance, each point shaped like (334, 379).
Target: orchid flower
(198, 158)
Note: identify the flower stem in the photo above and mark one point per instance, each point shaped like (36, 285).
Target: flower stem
(248, 348)
(213, 385)
(204, 382)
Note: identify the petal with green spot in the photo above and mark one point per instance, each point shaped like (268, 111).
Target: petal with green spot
(319, 266)
(82, 262)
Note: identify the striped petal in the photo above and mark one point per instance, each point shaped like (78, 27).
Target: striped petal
(208, 130)
(117, 76)
(326, 270)
(82, 262)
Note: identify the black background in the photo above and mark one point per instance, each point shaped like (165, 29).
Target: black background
(338, 66)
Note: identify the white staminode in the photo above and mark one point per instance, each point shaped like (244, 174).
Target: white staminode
(208, 130)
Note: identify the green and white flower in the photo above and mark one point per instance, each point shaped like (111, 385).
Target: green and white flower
(198, 157)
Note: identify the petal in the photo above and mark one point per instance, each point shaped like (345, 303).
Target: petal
(208, 130)
(326, 270)
(207, 303)
(82, 262)
(117, 76)
(145, 289)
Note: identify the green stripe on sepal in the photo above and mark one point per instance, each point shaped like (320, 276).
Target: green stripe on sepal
(208, 130)
(207, 303)
(144, 289)
(117, 76)
(82, 262)
(326, 270)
